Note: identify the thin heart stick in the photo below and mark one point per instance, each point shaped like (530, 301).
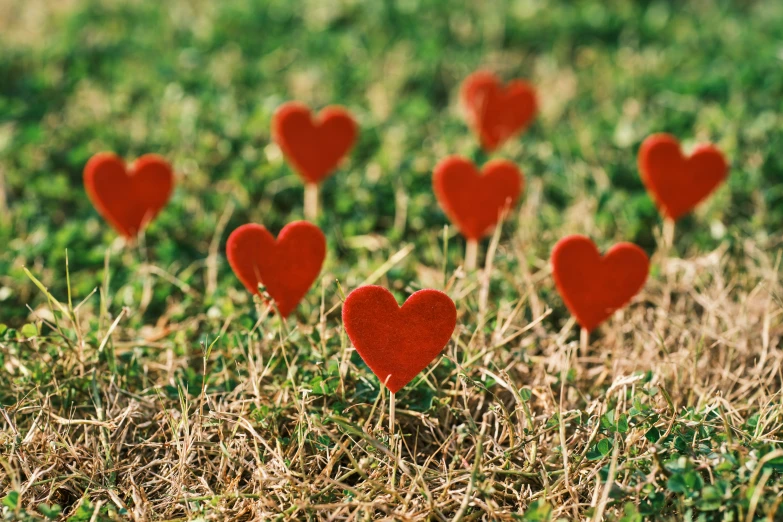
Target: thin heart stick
(392, 439)
(584, 341)
(392, 407)
(392, 415)
(392, 411)
(311, 201)
(471, 255)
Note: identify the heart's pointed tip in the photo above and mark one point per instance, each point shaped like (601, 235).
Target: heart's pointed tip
(396, 388)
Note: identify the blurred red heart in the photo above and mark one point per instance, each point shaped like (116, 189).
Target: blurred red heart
(678, 183)
(594, 287)
(314, 148)
(495, 112)
(128, 198)
(398, 342)
(286, 267)
(475, 201)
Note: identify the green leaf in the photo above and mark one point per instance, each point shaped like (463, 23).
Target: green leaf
(50, 512)
(29, 331)
(323, 386)
(525, 394)
(688, 483)
(83, 513)
(538, 511)
(11, 500)
(676, 484)
(711, 498)
(630, 513)
(774, 464)
(600, 449)
(333, 368)
(652, 435)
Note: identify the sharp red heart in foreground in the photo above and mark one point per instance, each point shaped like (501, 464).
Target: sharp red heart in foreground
(287, 267)
(398, 342)
(678, 183)
(314, 148)
(594, 287)
(475, 201)
(495, 112)
(128, 198)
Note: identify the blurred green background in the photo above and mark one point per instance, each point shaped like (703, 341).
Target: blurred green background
(197, 81)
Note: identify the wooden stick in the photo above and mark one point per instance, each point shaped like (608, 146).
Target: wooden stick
(392, 439)
(311, 201)
(471, 255)
(392, 411)
(584, 340)
(668, 233)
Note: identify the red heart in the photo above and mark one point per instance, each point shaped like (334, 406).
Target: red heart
(129, 199)
(313, 148)
(495, 112)
(594, 287)
(678, 183)
(398, 342)
(475, 201)
(287, 267)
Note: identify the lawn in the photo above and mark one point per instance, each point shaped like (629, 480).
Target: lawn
(141, 381)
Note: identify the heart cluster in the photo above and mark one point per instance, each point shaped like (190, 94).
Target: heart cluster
(397, 343)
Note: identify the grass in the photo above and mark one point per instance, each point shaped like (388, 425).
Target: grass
(143, 383)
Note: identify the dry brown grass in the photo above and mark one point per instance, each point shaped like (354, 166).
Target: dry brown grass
(480, 453)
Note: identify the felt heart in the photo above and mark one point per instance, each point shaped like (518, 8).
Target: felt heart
(314, 148)
(128, 198)
(475, 201)
(495, 112)
(678, 183)
(287, 267)
(398, 342)
(594, 287)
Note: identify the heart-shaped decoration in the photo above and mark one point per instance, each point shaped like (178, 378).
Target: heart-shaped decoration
(594, 287)
(314, 148)
(287, 267)
(678, 183)
(398, 342)
(497, 112)
(474, 201)
(128, 198)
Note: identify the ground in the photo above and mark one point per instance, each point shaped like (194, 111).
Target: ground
(140, 381)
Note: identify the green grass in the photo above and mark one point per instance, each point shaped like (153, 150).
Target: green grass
(113, 406)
